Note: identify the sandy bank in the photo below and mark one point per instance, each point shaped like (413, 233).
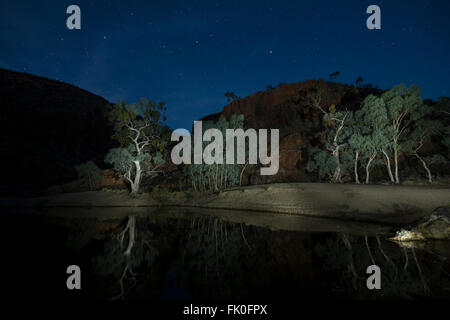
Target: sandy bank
(394, 205)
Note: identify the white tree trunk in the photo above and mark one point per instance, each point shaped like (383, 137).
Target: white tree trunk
(131, 227)
(337, 173)
(388, 166)
(424, 164)
(356, 167)
(367, 169)
(397, 180)
(137, 179)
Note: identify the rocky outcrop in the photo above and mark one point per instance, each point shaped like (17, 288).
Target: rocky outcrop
(47, 127)
(434, 227)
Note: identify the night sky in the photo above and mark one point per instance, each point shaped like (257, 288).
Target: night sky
(189, 53)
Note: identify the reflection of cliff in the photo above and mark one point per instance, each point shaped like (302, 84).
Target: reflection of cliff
(284, 108)
(46, 127)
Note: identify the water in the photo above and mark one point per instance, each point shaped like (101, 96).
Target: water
(187, 255)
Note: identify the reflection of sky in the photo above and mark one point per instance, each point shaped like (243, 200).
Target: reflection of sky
(189, 53)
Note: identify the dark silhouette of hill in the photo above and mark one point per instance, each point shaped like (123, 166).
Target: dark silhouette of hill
(47, 127)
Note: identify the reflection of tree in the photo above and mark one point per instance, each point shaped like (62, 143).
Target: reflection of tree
(406, 272)
(124, 252)
(207, 256)
(219, 260)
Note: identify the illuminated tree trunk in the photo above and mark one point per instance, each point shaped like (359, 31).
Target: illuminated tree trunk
(388, 166)
(137, 179)
(424, 164)
(337, 173)
(397, 180)
(368, 167)
(356, 167)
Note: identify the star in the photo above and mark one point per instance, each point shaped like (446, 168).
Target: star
(269, 51)
(104, 37)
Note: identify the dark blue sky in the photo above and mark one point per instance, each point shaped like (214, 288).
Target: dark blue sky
(188, 53)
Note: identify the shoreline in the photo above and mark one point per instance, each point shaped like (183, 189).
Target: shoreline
(391, 205)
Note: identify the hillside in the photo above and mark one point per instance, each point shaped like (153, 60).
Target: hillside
(284, 107)
(46, 127)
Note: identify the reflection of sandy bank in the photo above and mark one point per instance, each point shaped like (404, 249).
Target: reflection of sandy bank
(272, 221)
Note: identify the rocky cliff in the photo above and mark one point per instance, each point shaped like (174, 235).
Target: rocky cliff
(285, 108)
(46, 127)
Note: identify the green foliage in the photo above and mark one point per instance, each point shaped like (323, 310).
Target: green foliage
(89, 172)
(123, 159)
(385, 126)
(322, 162)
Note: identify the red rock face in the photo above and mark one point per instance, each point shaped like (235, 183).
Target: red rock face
(290, 152)
(110, 179)
(285, 108)
(269, 109)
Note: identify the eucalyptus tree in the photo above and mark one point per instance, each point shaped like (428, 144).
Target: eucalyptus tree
(139, 129)
(321, 162)
(217, 176)
(404, 106)
(335, 136)
(373, 118)
(371, 147)
(424, 131)
(365, 142)
(335, 121)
